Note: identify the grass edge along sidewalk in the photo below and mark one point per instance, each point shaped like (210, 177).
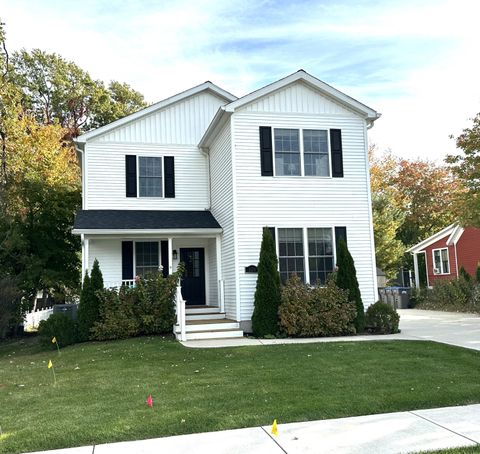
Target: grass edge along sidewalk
(102, 387)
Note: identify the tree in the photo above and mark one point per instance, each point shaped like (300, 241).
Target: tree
(466, 166)
(346, 278)
(267, 294)
(89, 307)
(57, 90)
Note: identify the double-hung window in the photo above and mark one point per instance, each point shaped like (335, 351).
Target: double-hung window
(292, 254)
(441, 263)
(150, 176)
(301, 152)
(146, 257)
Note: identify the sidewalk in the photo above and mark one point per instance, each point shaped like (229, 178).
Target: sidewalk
(389, 433)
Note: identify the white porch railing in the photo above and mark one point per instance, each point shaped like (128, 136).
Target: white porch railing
(180, 328)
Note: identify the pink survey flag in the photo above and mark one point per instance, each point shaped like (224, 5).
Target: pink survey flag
(150, 401)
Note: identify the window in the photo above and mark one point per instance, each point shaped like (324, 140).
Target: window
(150, 176)
(287, 152)
(146, 257)
(441, 264)
(320, 254)
(290, 252)
(315, 153)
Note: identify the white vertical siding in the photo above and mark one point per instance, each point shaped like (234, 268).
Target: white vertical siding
(301, 201)
(221, 183)
(297, 98)
(181, 123)
(105, 185)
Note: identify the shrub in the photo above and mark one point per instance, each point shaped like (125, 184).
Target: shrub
(382, 318)
(477, 274)
(463, 273)
(267, 294)
(60, 326)
(346, 278)
(11, 313)
(317, 311)
(88, 309)
(449, 295)
(147, 308)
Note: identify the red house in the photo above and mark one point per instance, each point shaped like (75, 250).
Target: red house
(446, 252)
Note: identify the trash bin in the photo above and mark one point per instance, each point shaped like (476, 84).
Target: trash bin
(401, 297)
(67, 309)
(382, 294)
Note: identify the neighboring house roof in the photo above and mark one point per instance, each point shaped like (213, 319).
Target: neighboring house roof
(101, 221)
(300, 75)
(453, 231)
(206, 86)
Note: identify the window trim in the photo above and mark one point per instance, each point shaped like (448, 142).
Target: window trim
(138, 178)
(306, 250)
(302, 159)
(146, 240)
(442, 271)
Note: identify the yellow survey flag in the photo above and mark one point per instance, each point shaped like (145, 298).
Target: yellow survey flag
(274, 427)
(54, 340)
(50, 365)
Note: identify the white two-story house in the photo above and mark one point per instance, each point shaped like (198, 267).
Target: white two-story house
(196, 177)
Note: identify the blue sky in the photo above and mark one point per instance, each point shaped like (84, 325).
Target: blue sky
(414, 61)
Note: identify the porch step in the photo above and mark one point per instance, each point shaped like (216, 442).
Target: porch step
(211, 325)
(201, 309)
(217, 334)
(205, 316)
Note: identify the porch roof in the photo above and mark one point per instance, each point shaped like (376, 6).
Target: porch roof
(103, 221)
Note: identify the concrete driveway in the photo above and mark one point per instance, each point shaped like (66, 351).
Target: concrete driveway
(462, 330)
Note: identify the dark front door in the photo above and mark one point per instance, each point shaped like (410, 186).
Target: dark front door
(193, 283)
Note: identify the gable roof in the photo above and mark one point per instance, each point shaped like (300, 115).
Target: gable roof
(299, 76)
(453, 231)
(206, 86)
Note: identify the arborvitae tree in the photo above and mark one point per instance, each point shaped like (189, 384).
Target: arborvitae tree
(478, 273)
(88, 310)
(347, 279)
(463, 273)
(267, 293)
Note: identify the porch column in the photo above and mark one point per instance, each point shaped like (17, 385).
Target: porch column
(415, 267)
(85, 255)
(170, 257)
(221, 289)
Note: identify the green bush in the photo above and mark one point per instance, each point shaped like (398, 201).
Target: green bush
(11, 312)
(147, 308)
(60, 326)
(267, 293)
(382, 318)
(346, 278)
(315, 311)
(450, 295)
(88, 309)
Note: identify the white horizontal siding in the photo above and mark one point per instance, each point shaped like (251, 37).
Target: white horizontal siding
(105, 177)
(222, 209)
(182, 123)
(300, 201)
(297, 98)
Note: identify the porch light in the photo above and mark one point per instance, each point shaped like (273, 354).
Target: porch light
(174, 254)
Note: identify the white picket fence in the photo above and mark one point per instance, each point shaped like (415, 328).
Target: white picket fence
(33, 319)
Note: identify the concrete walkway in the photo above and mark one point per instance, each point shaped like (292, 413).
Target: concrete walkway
(458, 329)
(389, 433)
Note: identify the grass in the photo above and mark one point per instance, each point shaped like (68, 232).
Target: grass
(466, 450)
(102, 387)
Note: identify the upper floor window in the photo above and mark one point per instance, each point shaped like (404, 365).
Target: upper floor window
(150, 176)
(308, 157)
(441, 263)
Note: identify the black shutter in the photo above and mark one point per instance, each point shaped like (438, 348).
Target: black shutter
(131, 175)
(340, 234)
(266, 151)
(337, 154)
(127, 259)
(272, 232)
(164, 257)
(169, 162)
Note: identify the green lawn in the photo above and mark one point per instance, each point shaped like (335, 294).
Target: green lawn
(102, 387)
(469, 450)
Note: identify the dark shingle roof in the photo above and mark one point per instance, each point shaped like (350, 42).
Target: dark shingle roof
(144, 220)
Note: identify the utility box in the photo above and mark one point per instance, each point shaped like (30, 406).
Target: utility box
(68, 309)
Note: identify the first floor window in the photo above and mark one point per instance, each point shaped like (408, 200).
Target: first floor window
(146, 257)
(287, 152)
(440, 261)
(290, 253)
(150, 176)
(320, 255)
